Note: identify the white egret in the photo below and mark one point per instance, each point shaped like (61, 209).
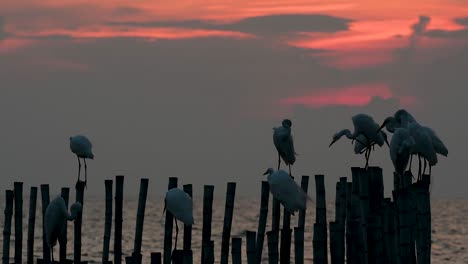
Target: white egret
(82, 147)
(286, 190)
(366, 126)
(401, 148)
(55, 220)
(180, 205)
(283, 141)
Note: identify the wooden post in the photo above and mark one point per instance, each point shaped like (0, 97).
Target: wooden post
(208, 248)
(423, 242)
(236, 250)
(9, 194)
(340, 220)
(353, 233)
(188, 256)
(45, 202)
(285, 247)
(364, 205)
(302, 213)
(207, 218)
(376, 190)
(228, 213)
(156, 258)
(78, 222)
(168, 226)
(272, 237)
(31, 224)
(299, 245)
(118, 219)
(402, 203)
(334, 244)
(265, 197)
(18, 193)
(320, 227)
(386, 233)
(275, 214)
(65, 193)
(251, 252)
(140, 215)
(108, 221)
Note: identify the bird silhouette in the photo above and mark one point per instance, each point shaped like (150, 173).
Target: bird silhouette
(180, 205)
(283, 142)
(82, 147)
(401, 148)
(55, 220)
(286, 190)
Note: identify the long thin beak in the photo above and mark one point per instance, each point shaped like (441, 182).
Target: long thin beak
(386, 141)
(265, 173)
(333, 142)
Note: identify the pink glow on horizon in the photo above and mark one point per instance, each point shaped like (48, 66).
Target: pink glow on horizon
(356, 95)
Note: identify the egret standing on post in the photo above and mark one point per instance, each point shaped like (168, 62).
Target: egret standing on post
(180, 205)
(55, 220)
(283, 141)
(81, 146)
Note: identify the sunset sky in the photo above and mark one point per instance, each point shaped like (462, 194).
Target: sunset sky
(193, 88)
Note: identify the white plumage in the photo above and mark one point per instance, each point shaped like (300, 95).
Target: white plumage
(401, 147)
(284, 144)
(55, 221)
(180, 205)
(82, 147)
(286, 190)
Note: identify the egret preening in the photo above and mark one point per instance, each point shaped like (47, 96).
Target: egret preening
(401, 148)
(55, 220)
(180, 205)
(286, 190)
(283, 141)
(364, 127)
(82, 147)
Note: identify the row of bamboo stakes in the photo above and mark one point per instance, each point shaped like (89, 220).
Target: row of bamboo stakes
(367, 227)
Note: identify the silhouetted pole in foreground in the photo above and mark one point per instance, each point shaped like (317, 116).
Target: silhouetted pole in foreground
(320, 227)
(136, 255)
(45, 202)
(168, 226)
(236, 250)
(107, 222)
(118, 219)
(31, 224)
(262, 220)
(9, 196)
(207, 218)
(228, 214)
(18, 190)
(78, 222)
(188, 253)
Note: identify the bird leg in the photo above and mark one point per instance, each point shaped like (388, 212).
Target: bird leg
(85, 172)
(79, 168)
(177, 233)
(419, 170)
(424, 171)
(52, 253)
(279, 160)
(410, 162)
(289, 165)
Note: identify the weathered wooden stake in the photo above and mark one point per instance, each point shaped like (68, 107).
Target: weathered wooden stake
(108, 221)
(334, 242)
(156, 258)
(424, 220)
(45, 202)
(228, 213)
(302, 213)
(364, 205)
(65, 193)
(118, 219)
(265, 197)
(275, 215)
(188, 255)
(207, 218)
(168, 226)
(299, 245)
(208, 248)
(251, 252)
(18, 190)
(236, 250)
(353, 228)
(9, 196)
(78, 222)
(320, 227)
(140, 216)
(338, 256)
(273, 255)
(31, 224)
(285, 243)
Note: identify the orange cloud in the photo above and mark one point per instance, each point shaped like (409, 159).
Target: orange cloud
(356, 95)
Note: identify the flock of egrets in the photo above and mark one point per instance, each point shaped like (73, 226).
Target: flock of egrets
(409, 139)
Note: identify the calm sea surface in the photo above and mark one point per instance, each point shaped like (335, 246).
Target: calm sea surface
(449, 221)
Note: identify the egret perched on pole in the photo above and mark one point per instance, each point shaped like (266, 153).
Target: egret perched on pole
(364, 128)
(286, 190)
(82, 147)
(180, 205)
(55, 220)
(401, 148)
(283, 141)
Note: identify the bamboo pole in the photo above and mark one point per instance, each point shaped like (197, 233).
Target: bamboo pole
(320, 227)
(302, 213)
(251, 252)
(156, 258)
(140, 216)
(349, 231)
(386, 232)
(275, 214)
(228, 214)
(236, 250)
(272, 237)
(9, 197)
(118, 218)
(376, 190)
(285, 243)
(364, 207)
(108, 221)
(208, 256)
(299, 245)
(18, 193)
(31, 224)
(65, 193)
(45, 203)
(424, 221)
(334, 243)
(402, 203)
(188, 256)
(340, 220)
(354, 236)
(265, 197)
(168, 226)
(207, 217)
(78, 222)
